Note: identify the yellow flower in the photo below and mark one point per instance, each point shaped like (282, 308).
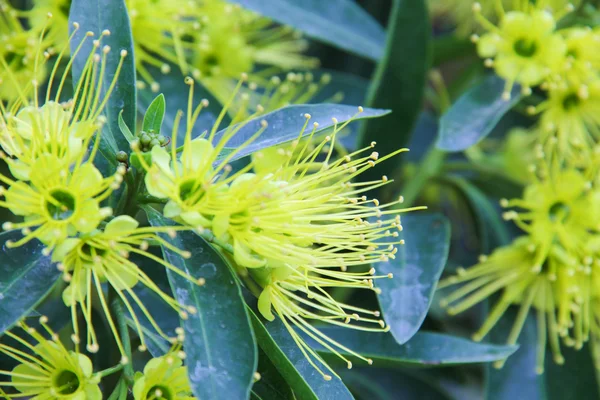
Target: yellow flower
(298, 296)
(515, 271)
(563, 206)
(57, 188)
(103, 256)
(582, 62)
(552, 269)
(47, 369)
(186, 181)
(164, 378)
(569, 116)
(45, 130)
(525, 47)
(58, 201)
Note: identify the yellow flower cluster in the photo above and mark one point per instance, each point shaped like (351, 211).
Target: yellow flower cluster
(60, 196)
(295, 230)
(553, 267)
(527, 47)
(212, 40)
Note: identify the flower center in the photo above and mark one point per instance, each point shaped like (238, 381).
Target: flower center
(159, 392)
(570, 101)
(62, 206)
(92, 251)
(191, 190)
(559, 211)
(525, 47)
(66, 382)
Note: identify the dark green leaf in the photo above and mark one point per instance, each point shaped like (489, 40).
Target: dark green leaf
(96, 16)
(153, 118)
(450, 47)
(285, 124)
(517, 379)
(417, 267)
(399, 80)
(341, 23)
(576, 379)
(26, 277)
(219, 342)
(424, 349)
(475, 114)
(271, 385)
(492, 229)
(306, 382)
(379, 384)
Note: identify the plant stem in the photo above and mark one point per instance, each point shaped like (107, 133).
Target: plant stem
(117, 312)
(110, 371)
(429, 167)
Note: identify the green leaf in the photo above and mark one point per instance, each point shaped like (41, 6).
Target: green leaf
(125, 129)
(475, 114)
(26, 277)
(96, 16)
(219, 342)
(305, 381)
(424, 348)
(341, 23)
(155, 114)
(399, 81)
(380, 384)
(517, 379)
(419, 263)
(271, 385)
(574, 380)
(285, 124)
(175, 91)
(492, 230)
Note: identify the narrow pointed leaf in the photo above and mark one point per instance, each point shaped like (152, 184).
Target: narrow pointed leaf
(26, 277)
(96, 16)
(399, 81)
(175, 90)
(219, 342)
(424, 349)
(517, 378)
(306, 382)
(475, 114)
(153, 118)
(416, 270)
(341, 23)
(285, 124)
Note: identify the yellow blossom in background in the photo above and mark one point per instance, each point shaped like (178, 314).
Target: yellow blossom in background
(231, 41)
(20, 54)
(460, 12)
(523, 48)
(561, 207)
(46, 368)
(570, 117)
(515, 272)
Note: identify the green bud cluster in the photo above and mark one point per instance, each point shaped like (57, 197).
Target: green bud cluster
(149, 139)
